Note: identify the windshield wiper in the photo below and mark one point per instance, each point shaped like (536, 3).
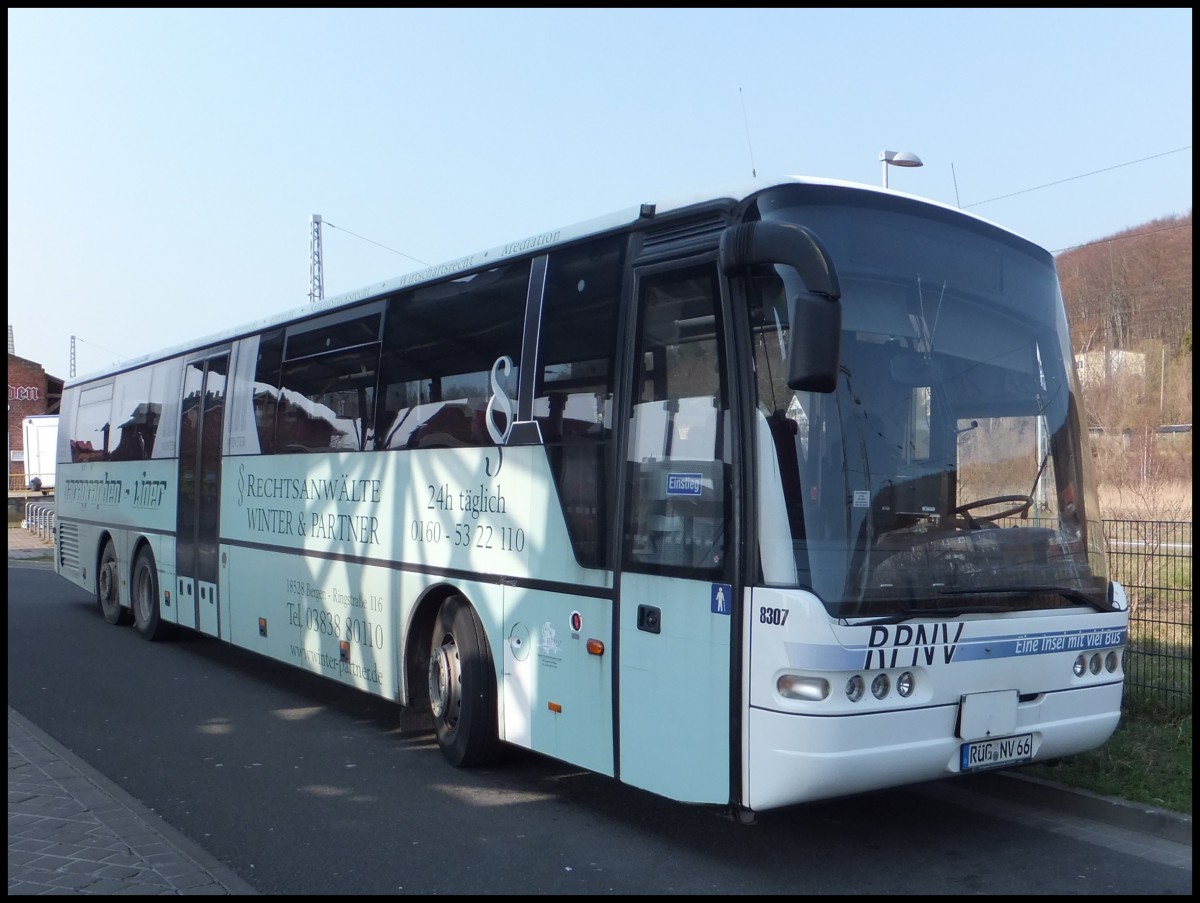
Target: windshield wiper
(1105, 605)
(1108, 605)
(909, 613)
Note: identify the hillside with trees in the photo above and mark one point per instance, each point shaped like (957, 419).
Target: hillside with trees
(1129, 303)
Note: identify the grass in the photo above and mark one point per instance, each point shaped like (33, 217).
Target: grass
(1148, 759)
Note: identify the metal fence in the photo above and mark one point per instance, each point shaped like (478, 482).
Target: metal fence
(1153, 561)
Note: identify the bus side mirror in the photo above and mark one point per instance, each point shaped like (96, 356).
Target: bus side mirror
(814, 341)
(814, 344)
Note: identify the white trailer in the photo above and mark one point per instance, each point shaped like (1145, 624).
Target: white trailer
(40, 434)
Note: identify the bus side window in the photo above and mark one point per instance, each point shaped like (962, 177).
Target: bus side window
(441, 344)
(92, 424)
(135, 416)
(327, 382)
(327, 402)
(573, 392)
(266, 389)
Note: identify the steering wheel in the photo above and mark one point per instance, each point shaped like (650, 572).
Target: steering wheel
(1025, 503)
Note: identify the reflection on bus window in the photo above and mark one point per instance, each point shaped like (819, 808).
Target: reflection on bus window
(438, 367)
(573, 395)
(676, 518)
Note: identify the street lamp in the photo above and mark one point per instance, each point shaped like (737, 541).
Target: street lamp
(897, 158)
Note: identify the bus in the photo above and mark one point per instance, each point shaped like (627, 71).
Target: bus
(746, 500)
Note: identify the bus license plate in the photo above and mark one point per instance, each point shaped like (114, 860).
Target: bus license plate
(996, 752)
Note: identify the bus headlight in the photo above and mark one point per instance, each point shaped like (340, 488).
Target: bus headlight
(1096, 663)
(1112, 661)
(905, 684)
(880, 686)
(799, 686)
(855, 687)
(1080, 666)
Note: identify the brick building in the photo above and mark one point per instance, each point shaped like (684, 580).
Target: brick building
(31, 390)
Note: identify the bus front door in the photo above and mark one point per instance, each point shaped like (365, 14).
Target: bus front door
(676, 589)
(198, 513)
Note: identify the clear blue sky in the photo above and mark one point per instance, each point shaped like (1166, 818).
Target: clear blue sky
(163, 164)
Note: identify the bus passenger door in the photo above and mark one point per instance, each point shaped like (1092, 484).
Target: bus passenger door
(676, 589)
(202, 414)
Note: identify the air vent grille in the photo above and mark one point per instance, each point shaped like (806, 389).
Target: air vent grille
(682, 238)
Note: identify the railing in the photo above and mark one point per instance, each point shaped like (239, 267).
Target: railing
(39, 518)
(1153, 561)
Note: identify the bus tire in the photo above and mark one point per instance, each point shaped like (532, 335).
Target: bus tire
(462, 687)
(108, 583)
(143, 595)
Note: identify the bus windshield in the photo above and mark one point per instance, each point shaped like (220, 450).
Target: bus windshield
(947, 474)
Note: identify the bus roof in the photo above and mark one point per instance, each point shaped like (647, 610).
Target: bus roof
(545, 240)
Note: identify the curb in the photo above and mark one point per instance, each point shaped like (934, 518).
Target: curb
(28, 548)
(146, 834)
(1173, 826)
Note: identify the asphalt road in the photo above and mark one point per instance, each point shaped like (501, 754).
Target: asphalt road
(301, 786)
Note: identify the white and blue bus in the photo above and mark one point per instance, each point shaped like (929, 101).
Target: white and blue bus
(760, 498)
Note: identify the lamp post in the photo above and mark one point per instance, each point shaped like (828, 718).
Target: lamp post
(897, 158)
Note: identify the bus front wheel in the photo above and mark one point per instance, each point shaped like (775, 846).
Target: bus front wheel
(108, 581)
(462, 687)
(145, 598)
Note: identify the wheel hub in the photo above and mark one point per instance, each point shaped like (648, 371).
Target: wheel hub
(442, 686)
(142, 599)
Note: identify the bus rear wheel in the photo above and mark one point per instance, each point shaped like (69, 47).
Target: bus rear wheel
(144, 596)
(108, 582)
(462, 687)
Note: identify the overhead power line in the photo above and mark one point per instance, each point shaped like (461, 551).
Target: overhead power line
(75, 339)
(385, 247)
(1101, 241)
(101, 347)
(1081, 176)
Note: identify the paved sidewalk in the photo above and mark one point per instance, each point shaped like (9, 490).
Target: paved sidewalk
(72, 831)
(25, 545)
